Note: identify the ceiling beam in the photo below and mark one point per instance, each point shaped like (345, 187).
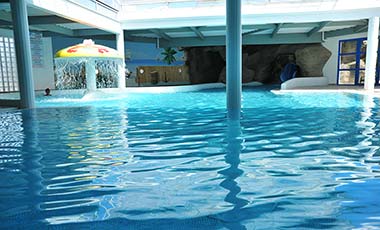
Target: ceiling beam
(161, 34)
(42, 20)
(253, 32)
(275, 31)
(204, 29)
(5, 23)
(317, 28)
(256, 39)
(361, 28)
(54, 28)
(197, 32)
(348, 23)
(250, 27)
(89, 32)
(342, 32)
(200, 29)
(140, 39)
(81, 15)
(5, 16)
(36, 20)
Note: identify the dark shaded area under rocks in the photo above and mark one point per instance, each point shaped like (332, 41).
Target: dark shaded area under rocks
(262, 63)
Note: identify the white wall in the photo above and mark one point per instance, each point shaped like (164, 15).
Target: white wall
(43, 76)
(330, 70)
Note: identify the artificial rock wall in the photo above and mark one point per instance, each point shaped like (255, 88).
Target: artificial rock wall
(262, 63)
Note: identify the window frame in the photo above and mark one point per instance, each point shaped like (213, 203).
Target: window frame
(357, 68)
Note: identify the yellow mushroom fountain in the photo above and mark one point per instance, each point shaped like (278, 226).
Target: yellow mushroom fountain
(88, 65)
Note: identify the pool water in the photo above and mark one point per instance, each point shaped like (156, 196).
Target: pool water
(173, 161)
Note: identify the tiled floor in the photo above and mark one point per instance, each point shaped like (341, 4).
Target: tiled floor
(332, 88)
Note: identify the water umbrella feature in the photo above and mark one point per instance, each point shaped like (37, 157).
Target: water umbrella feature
(89, 66)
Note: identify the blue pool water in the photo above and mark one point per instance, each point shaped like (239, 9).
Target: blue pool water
(173, 161)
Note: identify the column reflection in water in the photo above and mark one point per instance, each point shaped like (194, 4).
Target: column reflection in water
(368, 126)
(32, 152)
(232, 158)
(359, 192)
(109, 202)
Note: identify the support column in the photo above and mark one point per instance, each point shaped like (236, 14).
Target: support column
(371, 53)
(233, 58)
(90, 75)
(120, 49)
(23, 53)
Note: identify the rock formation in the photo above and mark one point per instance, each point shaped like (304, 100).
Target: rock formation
(311, 60)
(205, 64)
(261, 63)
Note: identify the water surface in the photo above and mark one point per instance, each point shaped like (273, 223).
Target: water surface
(173, 161)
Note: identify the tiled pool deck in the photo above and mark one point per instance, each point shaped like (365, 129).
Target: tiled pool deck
(332, 88)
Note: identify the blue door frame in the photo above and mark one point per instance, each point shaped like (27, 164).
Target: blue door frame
(357, 68)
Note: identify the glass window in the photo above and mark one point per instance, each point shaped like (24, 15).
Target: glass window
(348, 46)
(361, 76)
(8, 79)
(348, 61)
(347, 77)
(363, 47)
(362, 61)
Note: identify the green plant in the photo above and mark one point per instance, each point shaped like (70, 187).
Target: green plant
(168, 54)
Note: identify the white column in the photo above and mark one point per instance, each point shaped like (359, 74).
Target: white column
(371, 53)
(233, 65)
(23, 53)
(120, 49)
(90, 75)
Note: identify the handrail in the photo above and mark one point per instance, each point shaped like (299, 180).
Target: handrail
(113, 6)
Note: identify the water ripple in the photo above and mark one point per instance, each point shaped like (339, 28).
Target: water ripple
(180, 164)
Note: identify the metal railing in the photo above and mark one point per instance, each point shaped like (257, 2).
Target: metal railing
(217, 2)
(108, 8)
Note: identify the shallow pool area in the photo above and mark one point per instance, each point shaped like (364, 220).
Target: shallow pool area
(173, 161)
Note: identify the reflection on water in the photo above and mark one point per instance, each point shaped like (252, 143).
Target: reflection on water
(232, 158)
(359, 188)
(150, 166)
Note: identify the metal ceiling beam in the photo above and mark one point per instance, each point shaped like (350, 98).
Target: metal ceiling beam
(342, 32)
(200, 29)
(42, 20)
(161, 34)
(5, 23)
(318, 28)
(258, 39)
(5, 16)
(361, 28)
(90, 32)
(349, 23)
(197, 32)
(55, 29)
(273, 27)
(275, 31)
(253, 32)
(38, 20)
(140, 39)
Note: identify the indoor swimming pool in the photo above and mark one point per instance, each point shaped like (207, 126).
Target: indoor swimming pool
(173, 161)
